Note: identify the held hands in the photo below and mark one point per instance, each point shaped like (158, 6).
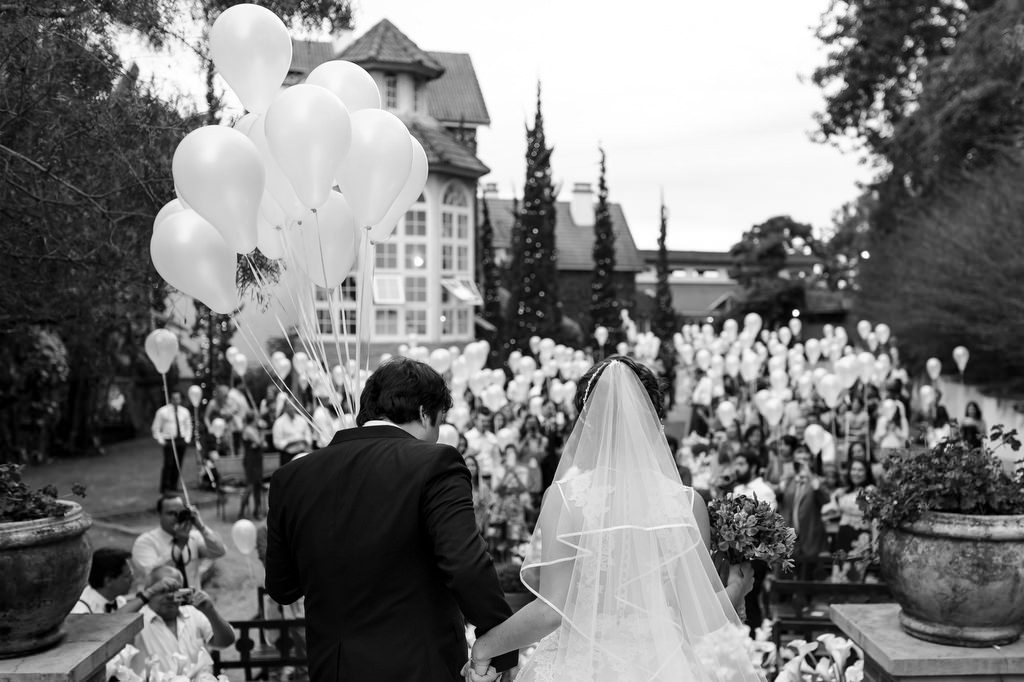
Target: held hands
(479, 671)
(742, 575)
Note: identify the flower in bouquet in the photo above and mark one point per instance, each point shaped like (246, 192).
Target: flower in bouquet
(743, 528)
(806, 666)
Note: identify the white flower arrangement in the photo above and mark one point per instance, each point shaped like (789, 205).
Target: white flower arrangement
(805, 665)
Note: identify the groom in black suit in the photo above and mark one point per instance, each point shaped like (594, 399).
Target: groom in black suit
(377, 532)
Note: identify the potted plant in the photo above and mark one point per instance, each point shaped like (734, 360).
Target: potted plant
(951, 541)
(44, 561)
(515, 591)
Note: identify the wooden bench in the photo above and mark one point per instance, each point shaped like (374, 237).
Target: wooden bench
(800, 607)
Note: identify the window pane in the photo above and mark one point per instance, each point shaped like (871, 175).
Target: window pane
(391, 91)
(347, 319)
(387, 256)
(416, 289)
(462, 263)
(462, 321)
(446, 257)
(454, 196)
(416, 223)
(447, 321)
(387, 322)
(416, 322)
(348, 289)
(463, 232)
(446, 225)
(323, 321)
(415, 256)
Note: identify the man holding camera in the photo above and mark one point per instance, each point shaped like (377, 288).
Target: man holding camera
(178, 621)
(182, 540)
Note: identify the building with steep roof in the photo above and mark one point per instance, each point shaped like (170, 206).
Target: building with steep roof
(424, 286)
(574, 239)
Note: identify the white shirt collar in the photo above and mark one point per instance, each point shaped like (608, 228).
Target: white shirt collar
(380, 422)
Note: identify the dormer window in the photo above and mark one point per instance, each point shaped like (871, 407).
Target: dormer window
(390, 91)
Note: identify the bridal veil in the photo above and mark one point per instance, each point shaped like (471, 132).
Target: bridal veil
(617, 552)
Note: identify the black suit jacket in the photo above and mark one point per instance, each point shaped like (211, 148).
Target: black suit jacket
(377, 531)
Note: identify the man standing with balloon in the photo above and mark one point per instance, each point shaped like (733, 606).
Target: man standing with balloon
(172, 429)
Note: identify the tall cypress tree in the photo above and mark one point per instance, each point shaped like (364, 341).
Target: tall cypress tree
(490, 276)
(604, 303)
(665, 324)
(534, 306)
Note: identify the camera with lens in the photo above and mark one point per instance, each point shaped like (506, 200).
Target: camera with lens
(184, 595)
(184, 515)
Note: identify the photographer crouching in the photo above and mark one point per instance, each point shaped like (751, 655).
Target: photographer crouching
(182, 540)
(177, 621)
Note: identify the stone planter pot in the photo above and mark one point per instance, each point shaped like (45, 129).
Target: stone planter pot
(45, 565)
(959, 578)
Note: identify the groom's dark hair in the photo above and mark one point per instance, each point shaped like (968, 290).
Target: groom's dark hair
(647, 378)
(399, 388)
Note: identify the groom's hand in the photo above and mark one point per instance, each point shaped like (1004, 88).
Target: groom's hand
(471, 675)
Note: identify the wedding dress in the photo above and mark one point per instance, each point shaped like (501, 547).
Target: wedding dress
(617, 552)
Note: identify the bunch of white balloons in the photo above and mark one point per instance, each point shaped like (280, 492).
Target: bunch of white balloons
(308, 174)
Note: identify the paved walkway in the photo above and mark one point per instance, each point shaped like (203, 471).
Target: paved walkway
(120, 484)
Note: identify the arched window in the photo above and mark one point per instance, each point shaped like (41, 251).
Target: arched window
(456, 260)
(454, 196)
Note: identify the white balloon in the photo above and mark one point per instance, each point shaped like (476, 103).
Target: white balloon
(326, 242)
(349, 82)
(960, 357)
(412, 190)
(378, 164)
(309, 133)
(252, 50)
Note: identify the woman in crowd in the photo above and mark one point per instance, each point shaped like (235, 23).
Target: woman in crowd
(854, 529)
(482, 497)
(858, 421)
(972, 428)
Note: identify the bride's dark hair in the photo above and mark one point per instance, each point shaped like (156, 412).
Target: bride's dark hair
(643, 373)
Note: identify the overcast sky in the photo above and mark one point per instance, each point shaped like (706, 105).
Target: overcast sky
(701, 99)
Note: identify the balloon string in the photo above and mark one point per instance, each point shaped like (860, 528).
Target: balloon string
(331, 309)
(174, 444)
(371, 253)
(254, 343)
(362, 316)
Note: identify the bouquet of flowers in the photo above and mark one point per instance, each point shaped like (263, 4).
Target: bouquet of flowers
(742, 529)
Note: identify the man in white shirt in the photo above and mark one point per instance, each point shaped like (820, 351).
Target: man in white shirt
(749, 483)
(172, 428)
(747, 470)
(181, 540)
(292, 434)
(483, 444)
(110, 579)
(180, 622)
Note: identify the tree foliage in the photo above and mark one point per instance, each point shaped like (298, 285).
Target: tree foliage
(759, 263)
(665, 323)
(490, 275)
(85, 153)
(534, 305)
(604, 298)
(951, 275)
(876, 52)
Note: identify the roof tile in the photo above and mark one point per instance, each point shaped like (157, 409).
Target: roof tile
(575, 244)
(444, 152)
(384, 44)
(456, 95)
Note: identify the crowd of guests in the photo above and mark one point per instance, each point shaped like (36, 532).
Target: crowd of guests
(816, 491)
(160, 578)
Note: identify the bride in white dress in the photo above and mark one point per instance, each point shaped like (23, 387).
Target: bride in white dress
(626, 589)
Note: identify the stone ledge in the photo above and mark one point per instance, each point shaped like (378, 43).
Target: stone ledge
(875, 628)
(89, 642)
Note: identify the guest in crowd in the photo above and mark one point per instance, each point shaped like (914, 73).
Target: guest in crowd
(252, 465)
(292, 434)
(747, 474)
(753, 441)
(939, 427)
(801, 504)
(110, 580)
(483, 444)
(857, 423)
(220, 406)
(853, 527)
(177, 622)
(172, 429)
(181, 540)
(269, 410)
(482, 497)
(972, 428)
(780, 463)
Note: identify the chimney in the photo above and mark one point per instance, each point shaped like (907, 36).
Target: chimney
(582, 207)
(490, 189)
